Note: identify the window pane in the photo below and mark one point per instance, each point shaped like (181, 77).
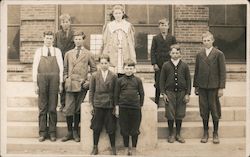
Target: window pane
(216, 14)
(13, 42)
(137, 14)
(83, 14)
(157, 12)
(141, 41)
(236, 14)
(13, 14)
(232, 41)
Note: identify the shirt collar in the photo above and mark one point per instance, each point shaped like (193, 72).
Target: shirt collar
(45, 47)
(209, 50)
(81, 48)
(175, 62)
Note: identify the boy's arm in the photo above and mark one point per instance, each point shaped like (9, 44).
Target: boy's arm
(141, 92)
(117, 92)
(92, 64)
(188, 80)
(113, 89)
(195, 84)
(163, 78)
(153, 51)
(35, 65)
(92, 90)
(60, 63)
(222, 74)
(66, 67)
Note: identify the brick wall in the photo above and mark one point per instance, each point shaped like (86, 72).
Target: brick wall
(190, 22)
(35, 19)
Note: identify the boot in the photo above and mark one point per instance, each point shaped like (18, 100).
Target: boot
(95, 150)
(113, 151)
(68, 137)
(76, 136)
(216, 138)
(178, 136)
(171, 137)
(205, 136)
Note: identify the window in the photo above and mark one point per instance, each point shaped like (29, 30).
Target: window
(228, 24)
(13, 32)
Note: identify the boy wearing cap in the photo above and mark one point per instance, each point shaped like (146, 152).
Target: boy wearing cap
(76, 64)
(47, 78)
(64, 41)
(160, 52)
(209, 82)
(175, 86)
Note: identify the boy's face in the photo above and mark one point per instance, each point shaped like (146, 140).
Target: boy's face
(118, 14)
(78, 40)
(65, 24)
(129, 70)
(48, 40)
(208, 41)
(164, 27)
(104, 64)
(175, 54)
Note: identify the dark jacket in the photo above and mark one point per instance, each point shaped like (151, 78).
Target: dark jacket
(210, 72)
(64, 43)
(175, 78)
(160, 49)
(101, 94)
(129, 92)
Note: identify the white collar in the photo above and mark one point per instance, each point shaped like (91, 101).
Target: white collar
(175, 62)
(208, 50)
(45, 47)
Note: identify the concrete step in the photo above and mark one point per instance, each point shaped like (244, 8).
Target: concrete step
(193, 114)
(30, 129)
(28, 114)
(230, 147)
(229, 129)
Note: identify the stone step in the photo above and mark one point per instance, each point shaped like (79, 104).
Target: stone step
(193, 114)
(30, 129)
(230, 147)
(195, 130)
(226, 101)
(28, 114)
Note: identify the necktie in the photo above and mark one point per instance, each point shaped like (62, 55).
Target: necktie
(49, 54)
(78, 52)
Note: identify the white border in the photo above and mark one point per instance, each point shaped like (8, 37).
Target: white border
(3, 55)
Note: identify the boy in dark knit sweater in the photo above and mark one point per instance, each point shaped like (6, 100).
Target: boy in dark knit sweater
(101, 97)
(129, 96)
(175, 86)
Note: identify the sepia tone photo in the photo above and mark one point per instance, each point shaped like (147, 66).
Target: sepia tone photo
(124, 78)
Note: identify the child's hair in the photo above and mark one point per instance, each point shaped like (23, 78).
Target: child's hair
(162, 21)
(65, 17)
(128, 62)
(79, 34)
(112, 18)
(175, 46)
(48, 33)
(207, 34)
(104, 56)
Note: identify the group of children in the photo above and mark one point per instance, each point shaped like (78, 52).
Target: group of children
(65, 67)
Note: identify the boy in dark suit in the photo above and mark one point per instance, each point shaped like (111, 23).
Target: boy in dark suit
(175, 85)
(160, 52)
(64, 41)
(101, 97)
(77, 63)
(129, 98)
(209, 82)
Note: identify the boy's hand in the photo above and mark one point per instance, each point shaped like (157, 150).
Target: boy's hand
(186, 98)
(196, 91)
(165, 98)
(156, 68)
(85, 85)
(116, 111)
(220, 92)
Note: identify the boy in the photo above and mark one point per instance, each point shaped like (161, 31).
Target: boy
(101, 97)
(76, 64)
(160, 52)
(175, 86)
(64, 41)
(209, 82)
(129, 96)
(47, 78)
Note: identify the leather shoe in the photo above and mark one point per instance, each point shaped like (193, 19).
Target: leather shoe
(205, 136)
(114, 151)
(76, 136)
(94, 150)
(171, 139)
(52, 138)
(68, 137)
(41, 138)
(216, 138)
(180, 139)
